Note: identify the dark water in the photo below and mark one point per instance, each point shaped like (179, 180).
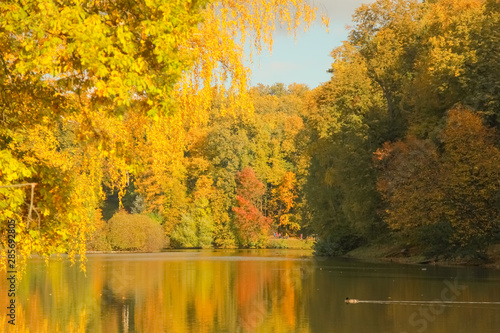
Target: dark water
(250, 291)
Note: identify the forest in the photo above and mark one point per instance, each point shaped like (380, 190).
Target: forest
(136, 123)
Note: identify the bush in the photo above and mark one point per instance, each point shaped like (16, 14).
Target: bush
(438, 241)
(135, 232)
(277, 244)
(259, 243)
(97, 240)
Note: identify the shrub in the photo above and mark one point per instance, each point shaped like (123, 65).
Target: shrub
(277, 244)
(135, 232)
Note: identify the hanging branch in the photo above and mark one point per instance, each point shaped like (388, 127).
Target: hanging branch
(32, 193)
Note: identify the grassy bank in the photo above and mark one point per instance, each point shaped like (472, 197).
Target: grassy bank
(290, 243)
(272, 243)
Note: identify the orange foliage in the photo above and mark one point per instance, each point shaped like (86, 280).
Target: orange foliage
(457, 186)
(251, 224)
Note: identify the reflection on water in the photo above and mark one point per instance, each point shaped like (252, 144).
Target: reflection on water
(249, 291)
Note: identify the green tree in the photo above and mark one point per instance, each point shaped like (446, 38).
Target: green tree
(347, 119)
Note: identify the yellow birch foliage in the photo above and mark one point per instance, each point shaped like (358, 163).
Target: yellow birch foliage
(218, 47)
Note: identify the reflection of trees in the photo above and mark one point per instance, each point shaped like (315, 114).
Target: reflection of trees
(240, 296)
(252, 309)
(163, 296)
(267, 296)
(117, 309)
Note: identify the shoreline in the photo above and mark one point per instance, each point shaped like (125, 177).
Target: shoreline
(382, 253)
(291, 243)
(393, 254)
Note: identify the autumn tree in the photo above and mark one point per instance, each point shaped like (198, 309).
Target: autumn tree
(268, 140)
(250, 223)
(196, 226)
(445, 53)
(385, 35)
(410, 186)
(226, 148)
(448, 196)
(279, 146)
(481, 75)
(286, 196)
(470, 172)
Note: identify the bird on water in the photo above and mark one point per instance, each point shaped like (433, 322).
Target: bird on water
(350, 300)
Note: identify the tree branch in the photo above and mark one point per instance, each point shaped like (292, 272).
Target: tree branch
(32, 193)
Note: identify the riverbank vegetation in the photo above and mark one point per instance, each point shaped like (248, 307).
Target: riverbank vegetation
(134, 118)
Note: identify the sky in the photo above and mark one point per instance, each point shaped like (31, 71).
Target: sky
(306, 59)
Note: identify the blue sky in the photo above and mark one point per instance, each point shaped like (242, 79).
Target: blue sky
(306, 59)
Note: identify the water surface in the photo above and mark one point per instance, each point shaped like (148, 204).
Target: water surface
(250, 291)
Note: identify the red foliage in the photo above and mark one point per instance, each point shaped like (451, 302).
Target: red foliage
(250, 221)
(249, 186)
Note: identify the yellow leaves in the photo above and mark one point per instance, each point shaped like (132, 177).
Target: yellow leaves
(450, 25)
(287, 190)
(326, 22)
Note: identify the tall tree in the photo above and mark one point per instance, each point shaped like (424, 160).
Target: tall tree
(482, 75)
(385, 33)
(347, 119)
(250, 223)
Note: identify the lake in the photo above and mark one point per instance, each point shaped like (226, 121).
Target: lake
(251, 291)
